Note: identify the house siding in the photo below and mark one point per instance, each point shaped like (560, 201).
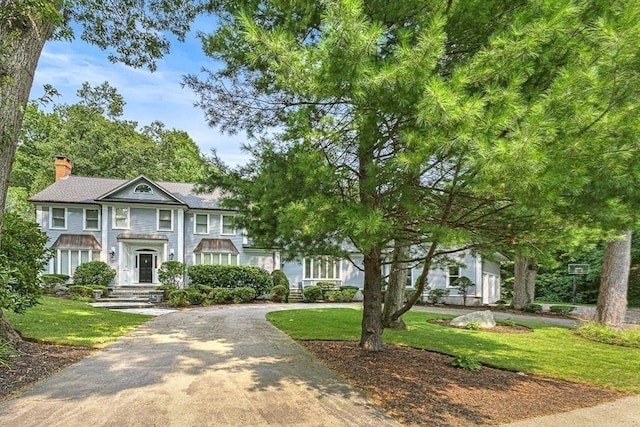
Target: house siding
(144, 236)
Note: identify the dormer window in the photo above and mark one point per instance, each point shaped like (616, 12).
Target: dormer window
(143, 188)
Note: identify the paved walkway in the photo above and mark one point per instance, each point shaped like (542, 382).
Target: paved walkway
(228, 366)
(204, 367)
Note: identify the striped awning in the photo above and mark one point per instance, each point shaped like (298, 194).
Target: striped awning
(216, 245)
(77, 241)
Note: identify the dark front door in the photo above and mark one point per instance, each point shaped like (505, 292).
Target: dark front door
(146, 268)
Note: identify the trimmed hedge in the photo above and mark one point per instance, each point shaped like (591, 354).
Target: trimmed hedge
(179, 298)
(341, 296)
(83, 291)
(231, 277)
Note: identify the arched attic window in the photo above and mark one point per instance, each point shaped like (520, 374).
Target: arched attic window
(143, 188)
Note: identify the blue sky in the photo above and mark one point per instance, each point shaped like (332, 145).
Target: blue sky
(149, 96)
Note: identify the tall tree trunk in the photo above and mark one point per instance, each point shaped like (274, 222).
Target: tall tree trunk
(22, 36)
(394, 298)
(525, 270)
(371, 335)
(612, 298)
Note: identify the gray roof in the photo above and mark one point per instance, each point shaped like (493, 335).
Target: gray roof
(80, 189)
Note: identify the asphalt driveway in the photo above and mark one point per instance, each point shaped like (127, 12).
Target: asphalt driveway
(203, 367)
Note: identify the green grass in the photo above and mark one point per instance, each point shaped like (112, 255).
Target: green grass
(549, 351)
(68, 322)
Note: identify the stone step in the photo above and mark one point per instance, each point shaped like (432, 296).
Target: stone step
(121, 304)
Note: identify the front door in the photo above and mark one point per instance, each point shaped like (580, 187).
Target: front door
(146, 268)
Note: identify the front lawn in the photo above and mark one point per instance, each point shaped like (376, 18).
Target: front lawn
(68, 322)
(550, 351)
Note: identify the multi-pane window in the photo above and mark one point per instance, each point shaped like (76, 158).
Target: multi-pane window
(226, 225)
(321, 268)
(91, 219)
(201, 225)
(121, 218)
(66, 261)
(454, 274)
(165, 219)
(58, 218)
(216, 258)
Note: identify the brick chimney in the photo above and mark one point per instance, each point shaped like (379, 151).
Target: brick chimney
(63, 167)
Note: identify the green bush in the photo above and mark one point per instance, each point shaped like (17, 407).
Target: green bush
(437, 296)
(562, 309)
(50, 281)
(195, 297)
(280, 279)
(93, 273)
(501, 307)
(179, 298)
(221, 295)
(468, 363)
(232, 276)
(473, 326)
(203, 289)
(22, 257)
(312, 293)
(349, 287)
(341, 296)
(532, 308)
(243, 294)
(171, 273)
(326, 287)
(279, 293)
(501, 301)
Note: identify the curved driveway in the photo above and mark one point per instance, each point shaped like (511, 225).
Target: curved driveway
(202, 367)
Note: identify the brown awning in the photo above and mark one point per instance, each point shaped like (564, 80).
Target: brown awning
(77, 241)
(216, 245)
(129, 236)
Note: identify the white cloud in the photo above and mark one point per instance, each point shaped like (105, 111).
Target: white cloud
(149, 96)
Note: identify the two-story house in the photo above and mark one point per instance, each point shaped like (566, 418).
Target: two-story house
(135, 225)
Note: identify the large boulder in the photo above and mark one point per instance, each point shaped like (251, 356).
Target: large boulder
(483, 318)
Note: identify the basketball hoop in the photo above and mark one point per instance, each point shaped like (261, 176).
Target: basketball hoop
(578, 269)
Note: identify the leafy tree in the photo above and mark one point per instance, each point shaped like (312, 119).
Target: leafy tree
(22, 257)
(446, 123)
(99, 145)
(135, 31)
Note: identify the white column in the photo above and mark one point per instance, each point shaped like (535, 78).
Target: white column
(104, 255)
(478, 279)
(121, 265)
(180, 248)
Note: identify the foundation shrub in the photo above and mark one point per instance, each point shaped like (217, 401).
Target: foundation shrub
(231, 277)
(179, 298)
(312, 293)
(279, 293)
(94, 273)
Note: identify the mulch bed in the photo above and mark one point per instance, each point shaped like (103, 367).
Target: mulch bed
(34, 361)
(419, 387)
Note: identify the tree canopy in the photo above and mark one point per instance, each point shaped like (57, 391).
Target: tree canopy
(444, 123)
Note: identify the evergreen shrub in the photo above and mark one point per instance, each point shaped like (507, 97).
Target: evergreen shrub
(532, 308)
(562, 309)
(312, 293)
(279, 293)
(94, 273)
(232, 276)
